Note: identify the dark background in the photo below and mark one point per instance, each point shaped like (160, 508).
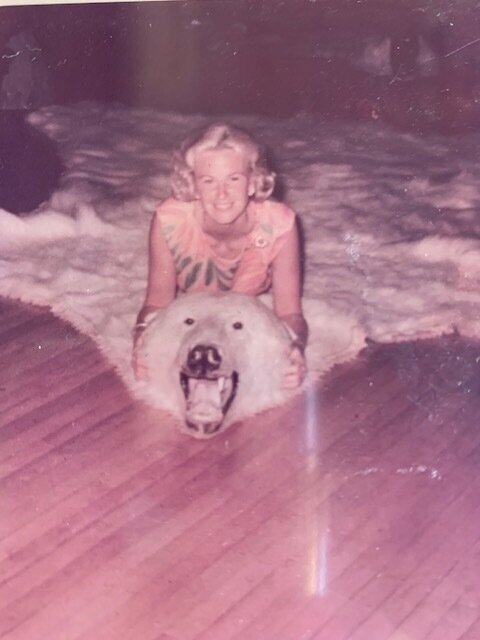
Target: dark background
(256, 56)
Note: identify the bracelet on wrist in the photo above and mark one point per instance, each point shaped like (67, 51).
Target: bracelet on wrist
(139, 328)
(297, 344)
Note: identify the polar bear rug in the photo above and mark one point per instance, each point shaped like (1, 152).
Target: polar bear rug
(390, 224)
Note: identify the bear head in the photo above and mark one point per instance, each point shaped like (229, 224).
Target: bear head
(214, 359)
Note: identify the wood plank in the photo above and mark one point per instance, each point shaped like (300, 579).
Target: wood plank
(352, 512)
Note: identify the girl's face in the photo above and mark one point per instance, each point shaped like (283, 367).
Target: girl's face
(223, 184)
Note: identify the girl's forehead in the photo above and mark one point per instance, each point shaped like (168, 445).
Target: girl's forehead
(223, 158)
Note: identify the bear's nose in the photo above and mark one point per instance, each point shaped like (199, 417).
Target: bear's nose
(203, 360)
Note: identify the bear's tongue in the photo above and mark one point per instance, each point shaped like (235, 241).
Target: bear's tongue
(204, 400)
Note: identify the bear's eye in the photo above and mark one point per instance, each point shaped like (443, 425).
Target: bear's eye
(189, 321)
(238, 325)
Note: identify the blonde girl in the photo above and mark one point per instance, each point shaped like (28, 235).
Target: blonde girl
(221, 231)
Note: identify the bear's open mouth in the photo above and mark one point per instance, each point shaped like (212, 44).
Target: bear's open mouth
(208, 399)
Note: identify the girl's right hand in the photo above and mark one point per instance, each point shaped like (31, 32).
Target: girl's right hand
(296, 372)
(139, 364)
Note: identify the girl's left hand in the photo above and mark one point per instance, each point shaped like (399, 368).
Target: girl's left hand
(297, 369)
(140, 368)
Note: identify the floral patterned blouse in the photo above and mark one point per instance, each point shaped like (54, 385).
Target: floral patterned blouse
(199, 268)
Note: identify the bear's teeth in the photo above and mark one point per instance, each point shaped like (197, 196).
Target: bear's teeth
(221, 383)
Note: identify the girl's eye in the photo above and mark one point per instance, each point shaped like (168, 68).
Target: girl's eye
(189, 321)
(238, 325)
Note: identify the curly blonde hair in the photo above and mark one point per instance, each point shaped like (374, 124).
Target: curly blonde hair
(221, 136)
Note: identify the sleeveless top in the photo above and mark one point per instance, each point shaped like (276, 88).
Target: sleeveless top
(199, 268)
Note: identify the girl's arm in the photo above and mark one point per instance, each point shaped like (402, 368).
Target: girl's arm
(161, 289)
(161, 285)
(286, 284)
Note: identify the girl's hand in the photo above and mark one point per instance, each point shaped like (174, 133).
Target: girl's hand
(139, 365)
(297, 369)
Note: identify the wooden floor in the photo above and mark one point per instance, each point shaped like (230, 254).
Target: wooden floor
(353, 513)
